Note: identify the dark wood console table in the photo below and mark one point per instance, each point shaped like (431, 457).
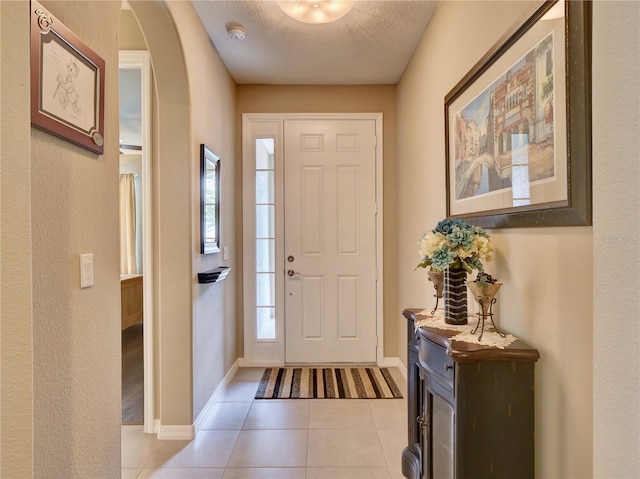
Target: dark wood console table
(470, 407)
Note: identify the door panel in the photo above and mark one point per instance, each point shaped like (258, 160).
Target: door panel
(311, 205)
(348, 210)
(312, 308)
(348, 307)
(330, 231)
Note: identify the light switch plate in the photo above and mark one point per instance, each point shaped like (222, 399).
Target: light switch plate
(86, 270)
(225, 253)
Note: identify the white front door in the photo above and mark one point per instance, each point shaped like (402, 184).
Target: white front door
(330, 240)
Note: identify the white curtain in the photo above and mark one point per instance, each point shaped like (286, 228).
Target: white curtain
(127, 225)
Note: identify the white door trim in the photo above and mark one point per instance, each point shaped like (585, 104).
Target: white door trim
(141, 59)
(274, 350)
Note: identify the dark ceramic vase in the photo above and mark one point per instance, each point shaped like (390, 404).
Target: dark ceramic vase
(455, 296)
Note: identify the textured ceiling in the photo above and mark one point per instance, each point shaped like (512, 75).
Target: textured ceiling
(372, 44)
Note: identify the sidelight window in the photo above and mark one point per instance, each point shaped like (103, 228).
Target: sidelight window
(265, 239)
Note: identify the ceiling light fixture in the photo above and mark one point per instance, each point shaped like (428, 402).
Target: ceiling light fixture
(316, 11)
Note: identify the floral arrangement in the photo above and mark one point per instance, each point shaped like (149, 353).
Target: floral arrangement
(455, 244)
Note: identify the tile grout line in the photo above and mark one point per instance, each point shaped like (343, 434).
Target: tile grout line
(239, 433)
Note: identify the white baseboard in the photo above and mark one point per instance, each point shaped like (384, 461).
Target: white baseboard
(188, 432)
(395, 363)
(263, 364)
(181, 432)
(217, 394)
(132, 427)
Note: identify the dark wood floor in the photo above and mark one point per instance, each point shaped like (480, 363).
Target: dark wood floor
(132, 375)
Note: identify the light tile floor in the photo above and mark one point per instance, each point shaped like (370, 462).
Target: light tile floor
(243, 438)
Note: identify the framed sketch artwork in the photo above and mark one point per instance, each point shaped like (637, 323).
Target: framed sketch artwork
(518, 126)
(67, 83)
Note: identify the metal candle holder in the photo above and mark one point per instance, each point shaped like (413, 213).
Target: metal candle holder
(437, 278)
(484, 294)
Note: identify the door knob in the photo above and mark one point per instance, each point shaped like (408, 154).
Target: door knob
(291, 273)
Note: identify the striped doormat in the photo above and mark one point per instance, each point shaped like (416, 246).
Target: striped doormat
(327, 383)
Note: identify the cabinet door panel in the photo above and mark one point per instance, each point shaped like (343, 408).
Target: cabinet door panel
(442, 434)
(438, 437)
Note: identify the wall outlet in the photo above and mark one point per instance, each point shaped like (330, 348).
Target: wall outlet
(225, 253)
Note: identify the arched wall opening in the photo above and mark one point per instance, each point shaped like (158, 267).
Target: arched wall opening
(171, 198)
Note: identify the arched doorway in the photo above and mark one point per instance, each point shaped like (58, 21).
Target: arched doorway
(170, 370)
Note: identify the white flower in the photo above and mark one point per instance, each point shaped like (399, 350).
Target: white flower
(430, 243)
(484, 248)
(465, 253)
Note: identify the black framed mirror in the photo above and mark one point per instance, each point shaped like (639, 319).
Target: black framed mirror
(209, 201)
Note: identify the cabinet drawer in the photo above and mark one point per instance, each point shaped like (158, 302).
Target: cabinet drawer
(435, 360)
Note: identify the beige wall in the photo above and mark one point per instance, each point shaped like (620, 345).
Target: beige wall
(60, 344)
(76, 337)
(129, 35)
(16, 328)
(172, 235)
(546, 299)
(340, 99)
(212, 93)
(616, 247)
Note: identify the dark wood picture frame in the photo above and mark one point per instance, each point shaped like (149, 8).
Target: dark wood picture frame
(67, 83)
(209, 201)
(576, 208)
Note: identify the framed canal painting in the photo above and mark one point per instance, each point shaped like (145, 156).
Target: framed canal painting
(518, 126)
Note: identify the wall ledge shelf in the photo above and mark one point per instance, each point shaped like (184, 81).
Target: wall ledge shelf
(213, 275)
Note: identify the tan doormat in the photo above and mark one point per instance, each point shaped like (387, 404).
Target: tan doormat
(327, 383)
